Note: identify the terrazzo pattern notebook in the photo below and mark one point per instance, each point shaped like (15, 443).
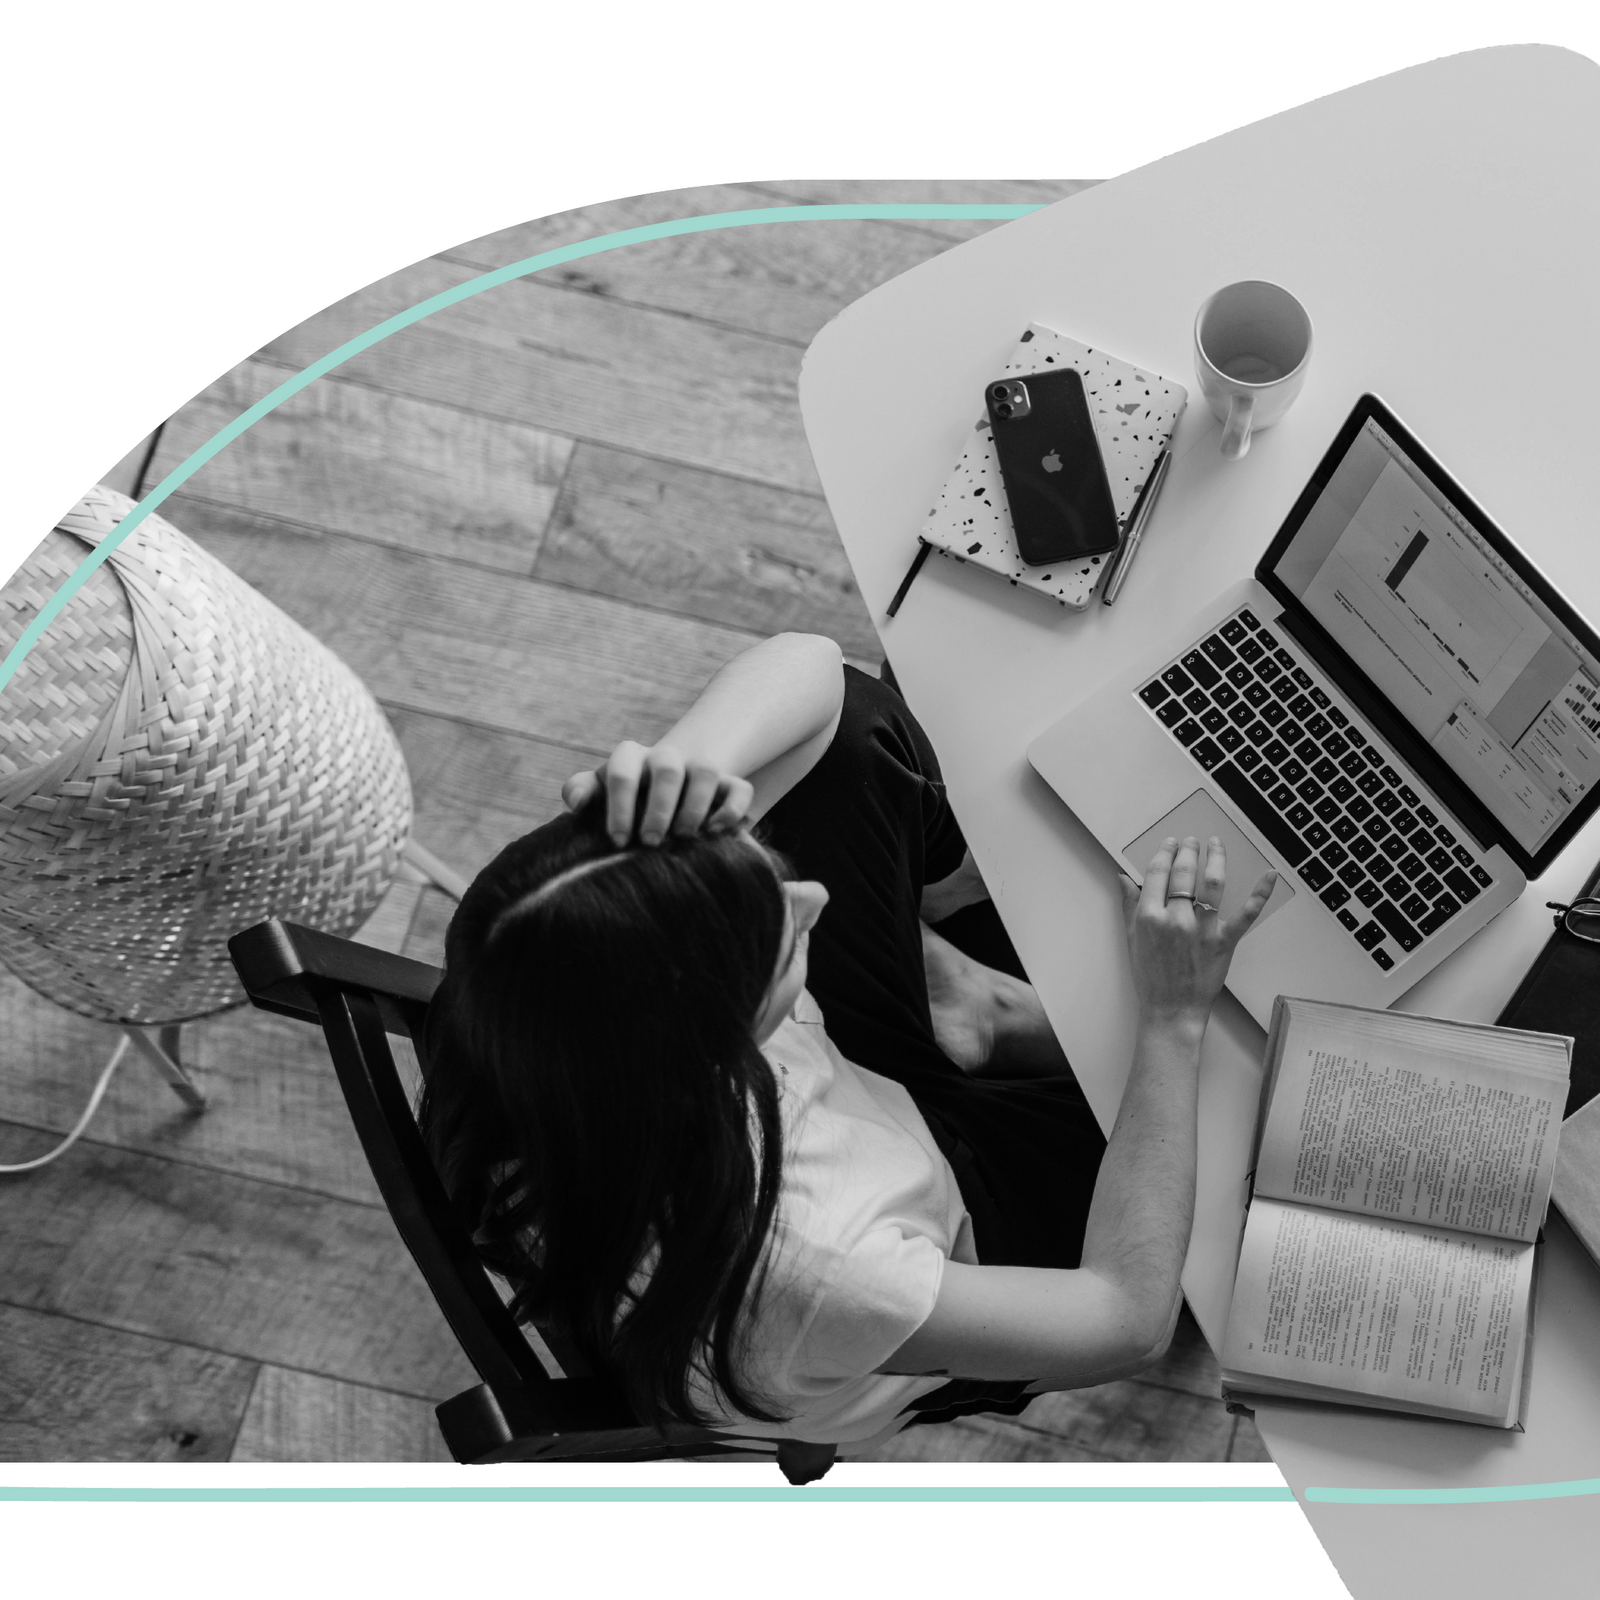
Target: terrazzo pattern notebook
(1135, 413)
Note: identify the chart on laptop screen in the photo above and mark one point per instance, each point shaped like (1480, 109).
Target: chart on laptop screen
(1460, 646)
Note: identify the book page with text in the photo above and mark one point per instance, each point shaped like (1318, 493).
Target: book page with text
(1418, 1123)
(1417, 1315)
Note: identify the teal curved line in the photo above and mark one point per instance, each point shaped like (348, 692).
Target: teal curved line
(449, 297)
(1569, 1489)
(665, 1494)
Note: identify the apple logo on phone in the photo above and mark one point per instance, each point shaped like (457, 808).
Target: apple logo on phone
(1052, 462)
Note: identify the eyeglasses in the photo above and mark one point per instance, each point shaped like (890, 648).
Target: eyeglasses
(1581, 919)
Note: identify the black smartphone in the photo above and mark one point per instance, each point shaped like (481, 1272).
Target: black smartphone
(1050, 463)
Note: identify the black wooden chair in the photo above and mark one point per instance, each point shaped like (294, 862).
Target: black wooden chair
(523, 1410)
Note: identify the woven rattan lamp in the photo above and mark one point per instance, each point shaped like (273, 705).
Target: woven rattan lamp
(178, 760)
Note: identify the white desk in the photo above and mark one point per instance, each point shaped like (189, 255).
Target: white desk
(1443, 228)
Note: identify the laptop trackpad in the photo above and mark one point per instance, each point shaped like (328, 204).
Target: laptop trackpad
(1201, 816)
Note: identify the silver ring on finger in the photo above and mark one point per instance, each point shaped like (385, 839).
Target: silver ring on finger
(1178, 894)
(1203, 905)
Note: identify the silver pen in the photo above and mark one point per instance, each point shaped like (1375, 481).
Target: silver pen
(1130, 545)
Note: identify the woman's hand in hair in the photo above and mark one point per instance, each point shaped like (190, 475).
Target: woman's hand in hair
(1180, 944)
(680, 794)
(762, 722)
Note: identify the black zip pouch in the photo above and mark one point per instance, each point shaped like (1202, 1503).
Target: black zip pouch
(1561, 994)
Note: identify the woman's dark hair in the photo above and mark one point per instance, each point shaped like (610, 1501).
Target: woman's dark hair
(596, 1102)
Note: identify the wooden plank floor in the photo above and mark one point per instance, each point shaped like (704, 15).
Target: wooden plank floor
(534, 524)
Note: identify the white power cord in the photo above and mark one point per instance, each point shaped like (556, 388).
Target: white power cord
(88, 1112)
(423, 862)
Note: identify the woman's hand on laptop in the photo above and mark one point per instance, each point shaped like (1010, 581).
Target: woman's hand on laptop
(1179, 942)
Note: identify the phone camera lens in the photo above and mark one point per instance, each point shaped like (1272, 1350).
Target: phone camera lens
(1002, 410)
(999, 391)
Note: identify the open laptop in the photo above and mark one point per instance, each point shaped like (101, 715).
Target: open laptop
(1397, 712)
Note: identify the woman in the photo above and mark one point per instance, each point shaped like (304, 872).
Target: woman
(718, 1104)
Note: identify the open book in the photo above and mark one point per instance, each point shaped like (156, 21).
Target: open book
(1402, 1170)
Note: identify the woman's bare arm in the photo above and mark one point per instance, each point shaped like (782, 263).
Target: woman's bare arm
(1112, 1314)
(760, 724)
(768, 715)
(1115, 1312)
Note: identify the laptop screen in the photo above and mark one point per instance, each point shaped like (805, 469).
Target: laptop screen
(1440, 621)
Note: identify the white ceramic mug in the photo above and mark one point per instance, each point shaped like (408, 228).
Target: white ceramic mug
(1252, 345)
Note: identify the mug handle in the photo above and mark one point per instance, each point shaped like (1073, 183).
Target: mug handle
(1236, 432)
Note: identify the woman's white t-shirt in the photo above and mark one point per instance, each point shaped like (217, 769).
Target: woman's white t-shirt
(868, 1213)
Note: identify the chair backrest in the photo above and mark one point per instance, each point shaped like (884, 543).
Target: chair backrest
(359, 995)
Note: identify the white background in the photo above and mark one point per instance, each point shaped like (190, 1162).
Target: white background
(184, 182)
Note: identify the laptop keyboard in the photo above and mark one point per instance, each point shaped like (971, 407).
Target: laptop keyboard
(1318, 787)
